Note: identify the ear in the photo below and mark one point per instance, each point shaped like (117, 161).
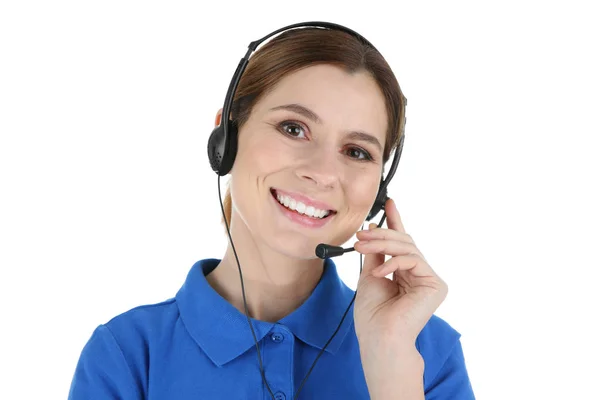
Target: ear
(218, 117)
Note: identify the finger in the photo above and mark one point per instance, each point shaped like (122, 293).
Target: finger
(393, 216)
(386, 247)
(384, 234)
(399, 263)
(373, 259)
(417, 265)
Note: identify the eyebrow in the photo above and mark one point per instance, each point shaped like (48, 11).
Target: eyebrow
(354, 135)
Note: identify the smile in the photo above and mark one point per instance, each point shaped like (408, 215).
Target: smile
(304, 211)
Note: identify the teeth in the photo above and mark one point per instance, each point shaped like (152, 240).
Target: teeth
(300, 207)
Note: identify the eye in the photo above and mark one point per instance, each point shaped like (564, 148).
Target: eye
(292, 129)
(359, 154)
(297, 131)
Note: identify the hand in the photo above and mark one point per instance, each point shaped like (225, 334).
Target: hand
(393, 312)
(390, 314)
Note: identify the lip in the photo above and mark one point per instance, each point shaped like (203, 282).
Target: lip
(306, 200)
(303, 220)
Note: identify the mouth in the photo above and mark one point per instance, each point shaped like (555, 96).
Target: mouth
(306, 209)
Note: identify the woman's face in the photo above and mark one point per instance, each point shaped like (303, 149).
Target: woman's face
(317, 140)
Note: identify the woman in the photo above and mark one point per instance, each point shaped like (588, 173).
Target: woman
(318, 113)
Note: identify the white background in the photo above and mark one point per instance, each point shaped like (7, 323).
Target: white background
(107, 197)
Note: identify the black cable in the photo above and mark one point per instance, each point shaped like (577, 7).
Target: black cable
(262, 372)
(331, 338)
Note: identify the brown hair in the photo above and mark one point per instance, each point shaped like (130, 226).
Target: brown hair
(300, 48)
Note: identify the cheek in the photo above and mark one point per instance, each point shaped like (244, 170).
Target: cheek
(256, 160)
(261, 155)
(363, 192)
(271, 157)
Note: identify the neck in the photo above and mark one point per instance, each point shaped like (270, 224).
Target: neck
(275, 284)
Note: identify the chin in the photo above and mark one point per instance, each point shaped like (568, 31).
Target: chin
(299, 251)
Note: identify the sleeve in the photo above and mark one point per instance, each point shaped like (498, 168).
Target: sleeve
(452, 381)
(102, 372)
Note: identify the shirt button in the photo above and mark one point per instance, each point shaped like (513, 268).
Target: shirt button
(277, 338)
(279, 396)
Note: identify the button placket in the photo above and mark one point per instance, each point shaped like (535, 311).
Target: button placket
(277, 337)
(279, 396)
(280, 342)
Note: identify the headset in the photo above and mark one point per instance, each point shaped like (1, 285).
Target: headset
(222, 150)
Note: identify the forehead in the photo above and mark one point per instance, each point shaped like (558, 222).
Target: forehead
(340, 99)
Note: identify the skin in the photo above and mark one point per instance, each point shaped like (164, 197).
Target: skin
(277, 256)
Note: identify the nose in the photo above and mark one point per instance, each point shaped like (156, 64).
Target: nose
(321, 168)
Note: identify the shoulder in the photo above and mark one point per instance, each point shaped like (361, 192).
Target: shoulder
(445, 369)
(436, 338)
(139, 329)
(435, 343)
(144, 320)
(114, 361)
(142, 324)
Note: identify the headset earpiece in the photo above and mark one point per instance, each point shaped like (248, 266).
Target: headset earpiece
(220, 154)
(215, 147)
(380, 200)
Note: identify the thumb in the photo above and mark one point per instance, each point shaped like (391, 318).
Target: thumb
(372, 260)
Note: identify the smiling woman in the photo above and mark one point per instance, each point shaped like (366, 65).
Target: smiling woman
(315, 117)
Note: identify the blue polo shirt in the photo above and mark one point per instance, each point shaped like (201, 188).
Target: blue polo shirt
(198, 346)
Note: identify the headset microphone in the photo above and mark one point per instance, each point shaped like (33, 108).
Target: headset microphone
(327, 251)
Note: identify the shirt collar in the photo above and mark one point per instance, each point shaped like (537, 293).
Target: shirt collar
(224, 334)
